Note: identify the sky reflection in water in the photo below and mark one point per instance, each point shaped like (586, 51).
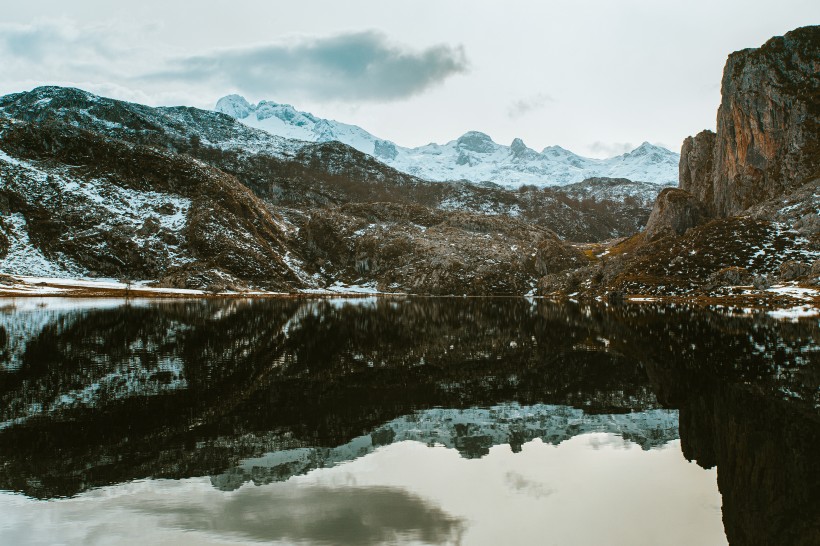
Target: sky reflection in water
(593, 489)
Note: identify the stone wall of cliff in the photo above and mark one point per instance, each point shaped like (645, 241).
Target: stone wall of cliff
(768, 132)
(768, 123)
(697, 168)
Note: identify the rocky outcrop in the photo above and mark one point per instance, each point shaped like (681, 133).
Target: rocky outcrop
(755, 181)
(768, 126)
(793, 270)
(675, 212)
(769, 120)
(697, 167)
(729, 276)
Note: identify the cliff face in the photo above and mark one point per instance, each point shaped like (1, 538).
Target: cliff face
(768, 133)
(697, 167)
(751, 185)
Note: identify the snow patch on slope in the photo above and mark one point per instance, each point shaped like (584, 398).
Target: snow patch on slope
(24, 258)
(145, 213)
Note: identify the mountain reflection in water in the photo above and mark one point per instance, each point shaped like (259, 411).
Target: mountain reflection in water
(96, 393)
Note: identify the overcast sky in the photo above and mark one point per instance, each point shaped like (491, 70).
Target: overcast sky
(595, 76)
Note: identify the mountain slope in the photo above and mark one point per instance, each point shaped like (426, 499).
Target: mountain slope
(75, 203)
(93, 187)
(473, 156)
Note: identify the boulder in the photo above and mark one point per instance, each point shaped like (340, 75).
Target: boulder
(675, 211)
(814, 273)
(553, 256)
(792, 270)
(730, 276)
(761, 282)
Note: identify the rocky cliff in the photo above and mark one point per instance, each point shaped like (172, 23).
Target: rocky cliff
(768, 123)
(747, 211)
(697, 167)
(768, 127)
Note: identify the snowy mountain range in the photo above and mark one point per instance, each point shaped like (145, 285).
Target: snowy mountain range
(473, 156)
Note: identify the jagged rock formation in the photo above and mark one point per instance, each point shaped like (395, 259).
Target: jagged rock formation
(756, 181)
(768, 127)
(675, 211)
(697, 168)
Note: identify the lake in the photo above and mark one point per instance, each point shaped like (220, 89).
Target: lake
(405, 421)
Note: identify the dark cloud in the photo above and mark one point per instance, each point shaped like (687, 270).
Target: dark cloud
(526, 105)
(349, 67)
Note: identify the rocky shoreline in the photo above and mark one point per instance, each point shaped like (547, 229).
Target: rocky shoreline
(787, 301)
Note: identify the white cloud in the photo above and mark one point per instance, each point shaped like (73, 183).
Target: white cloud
(610, 149)
(526, 105)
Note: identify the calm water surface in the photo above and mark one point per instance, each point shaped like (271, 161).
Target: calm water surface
(407, 421)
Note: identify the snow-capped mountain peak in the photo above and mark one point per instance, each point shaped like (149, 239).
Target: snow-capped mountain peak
(235, 106)
(473, 156)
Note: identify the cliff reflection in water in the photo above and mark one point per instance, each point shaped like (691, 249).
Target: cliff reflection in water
(263, 390)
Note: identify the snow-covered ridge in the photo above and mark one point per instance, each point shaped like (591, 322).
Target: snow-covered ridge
(473, 156)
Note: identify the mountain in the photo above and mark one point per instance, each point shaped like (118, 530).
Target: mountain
(473, 156)
(93, 187)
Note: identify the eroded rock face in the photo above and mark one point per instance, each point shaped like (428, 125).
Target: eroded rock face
(768, 123)
(767, 136)
(697, 167)
(675, 212)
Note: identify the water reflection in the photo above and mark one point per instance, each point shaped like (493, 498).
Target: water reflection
(591, 489)
(98, 393)
(471, 432)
